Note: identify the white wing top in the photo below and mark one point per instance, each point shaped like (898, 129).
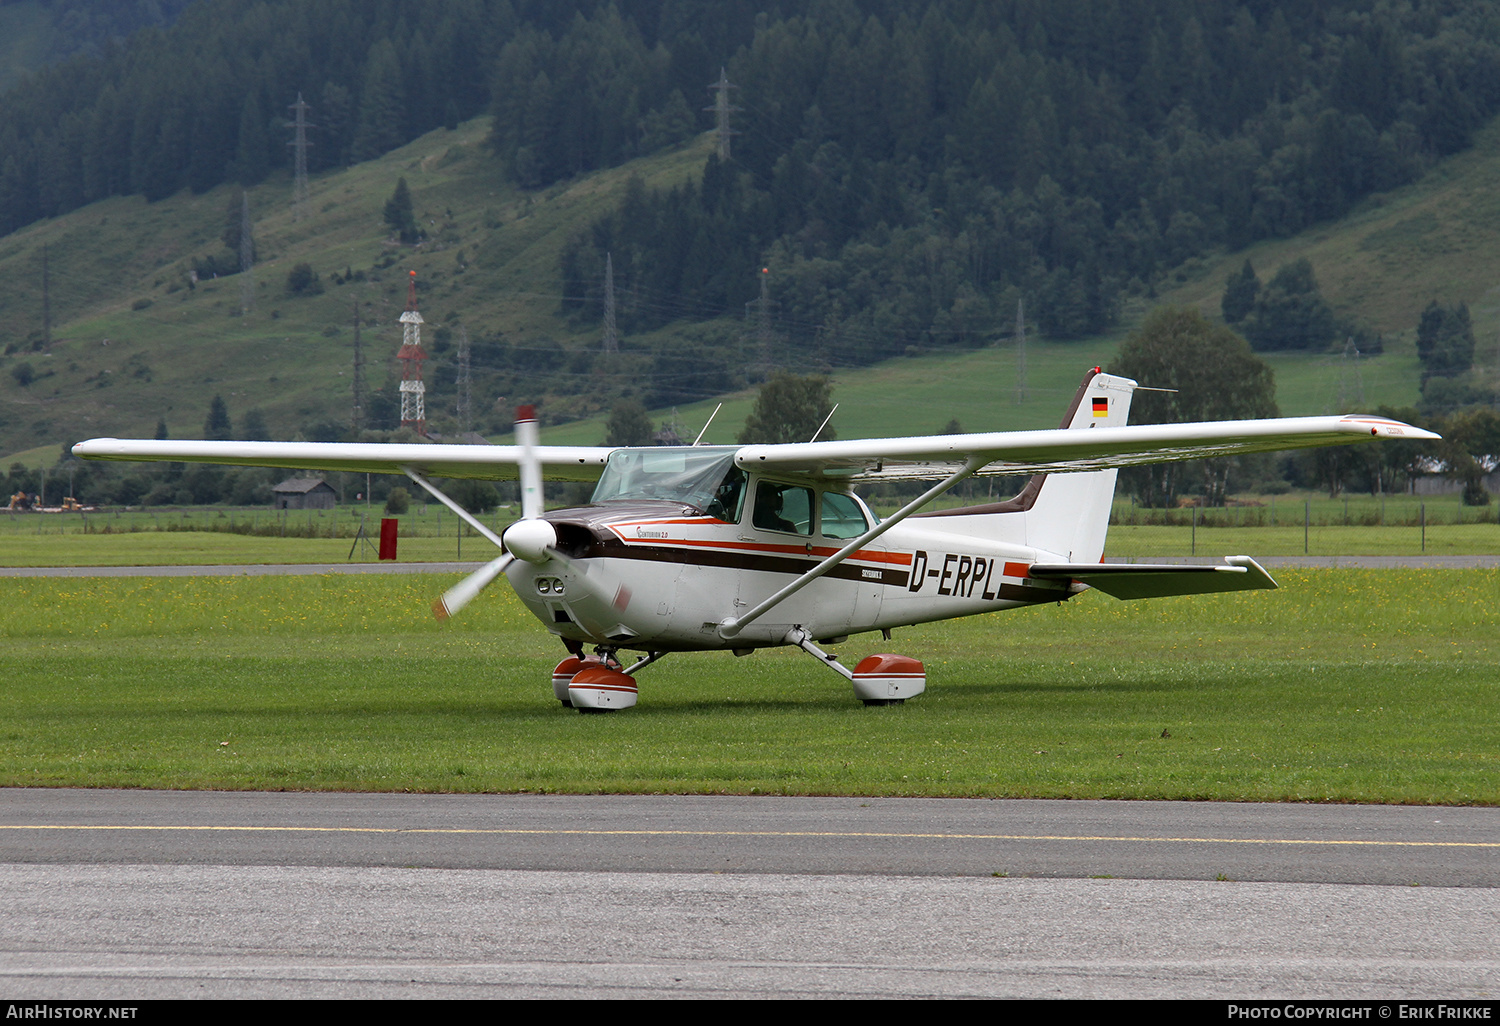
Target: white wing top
(483, 462)
(1066, 449)
(1095, 436)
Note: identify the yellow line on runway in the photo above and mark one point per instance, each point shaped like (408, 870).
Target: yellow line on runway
(757, 833)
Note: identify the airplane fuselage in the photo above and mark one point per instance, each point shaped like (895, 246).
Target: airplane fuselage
(658, 575)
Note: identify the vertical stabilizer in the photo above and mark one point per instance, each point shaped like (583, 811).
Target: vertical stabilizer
(1071, 513)
(1063, 514)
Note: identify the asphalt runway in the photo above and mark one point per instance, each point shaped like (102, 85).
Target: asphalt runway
(137, 894)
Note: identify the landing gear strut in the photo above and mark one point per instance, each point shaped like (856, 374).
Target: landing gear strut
(884, 679)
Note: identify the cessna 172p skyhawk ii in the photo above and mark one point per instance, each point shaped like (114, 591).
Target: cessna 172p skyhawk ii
(692, 548)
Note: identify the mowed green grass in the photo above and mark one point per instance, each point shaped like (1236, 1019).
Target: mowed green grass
(170, 537)
(1366, 686)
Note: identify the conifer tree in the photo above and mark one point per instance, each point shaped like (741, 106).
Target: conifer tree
(216, 426)
(382, 104)
(399, 213)
(1240, 292)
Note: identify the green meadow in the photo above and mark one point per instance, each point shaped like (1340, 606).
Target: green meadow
(134, 345)
(1347, 686)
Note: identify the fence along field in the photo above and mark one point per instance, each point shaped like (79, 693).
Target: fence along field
(1281, 525)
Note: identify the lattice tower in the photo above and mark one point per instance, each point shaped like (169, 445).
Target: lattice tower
(611, 334)
(722, 108)
(1021, 385)
(413, 391)
(299, 145)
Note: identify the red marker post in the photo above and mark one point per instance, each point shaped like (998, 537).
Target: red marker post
(388, 527)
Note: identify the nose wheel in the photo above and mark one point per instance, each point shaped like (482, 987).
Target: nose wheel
(597, 683)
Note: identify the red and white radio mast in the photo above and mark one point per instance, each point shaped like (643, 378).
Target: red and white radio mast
(413, 392)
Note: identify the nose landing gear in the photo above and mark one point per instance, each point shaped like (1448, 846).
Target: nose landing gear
(597, 683)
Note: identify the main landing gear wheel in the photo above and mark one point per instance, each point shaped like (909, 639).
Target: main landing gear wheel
(888, 679)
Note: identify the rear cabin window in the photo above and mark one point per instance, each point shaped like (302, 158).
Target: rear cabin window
(842, 516)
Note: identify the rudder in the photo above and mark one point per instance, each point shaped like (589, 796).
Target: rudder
(1066, 515)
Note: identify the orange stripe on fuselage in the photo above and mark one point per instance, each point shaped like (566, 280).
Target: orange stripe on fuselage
(863, 555)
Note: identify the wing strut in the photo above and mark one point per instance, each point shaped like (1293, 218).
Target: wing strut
(731, 627)
(463, 514)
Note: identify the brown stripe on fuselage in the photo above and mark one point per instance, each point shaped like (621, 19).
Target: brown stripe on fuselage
(747, 561)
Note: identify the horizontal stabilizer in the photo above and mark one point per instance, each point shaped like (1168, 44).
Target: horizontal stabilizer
(1153, 580)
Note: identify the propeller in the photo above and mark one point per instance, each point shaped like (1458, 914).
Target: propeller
(464, 592)
(531, 538)
(534, 537)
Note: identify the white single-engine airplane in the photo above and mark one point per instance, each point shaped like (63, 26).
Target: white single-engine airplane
(695, 548)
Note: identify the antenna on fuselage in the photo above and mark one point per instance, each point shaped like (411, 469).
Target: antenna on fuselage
(710, 420)
(823, 425)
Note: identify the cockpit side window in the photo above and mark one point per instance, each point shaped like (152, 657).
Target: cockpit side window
(785, 508)
(729, 498)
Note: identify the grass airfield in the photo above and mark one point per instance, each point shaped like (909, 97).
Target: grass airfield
(1347, 685)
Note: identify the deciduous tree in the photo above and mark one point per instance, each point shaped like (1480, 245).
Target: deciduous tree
(789, 408)
(1290, 312)
(628, 424)
(1215, 377)
(1445, 341)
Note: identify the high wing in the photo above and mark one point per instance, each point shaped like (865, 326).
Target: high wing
(481, 462)
(1031, 452)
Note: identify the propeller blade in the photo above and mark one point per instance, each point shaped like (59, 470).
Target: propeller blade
(527, 437)
(464, 592)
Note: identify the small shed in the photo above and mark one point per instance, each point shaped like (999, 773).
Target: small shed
(304, 493)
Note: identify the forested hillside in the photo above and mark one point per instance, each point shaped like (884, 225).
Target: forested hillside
(909, 169)
(900, 178)
(36, 33)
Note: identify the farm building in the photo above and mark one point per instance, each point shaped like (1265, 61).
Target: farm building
(304, 493)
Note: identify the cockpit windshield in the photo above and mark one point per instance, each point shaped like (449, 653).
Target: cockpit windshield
(701, 476)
